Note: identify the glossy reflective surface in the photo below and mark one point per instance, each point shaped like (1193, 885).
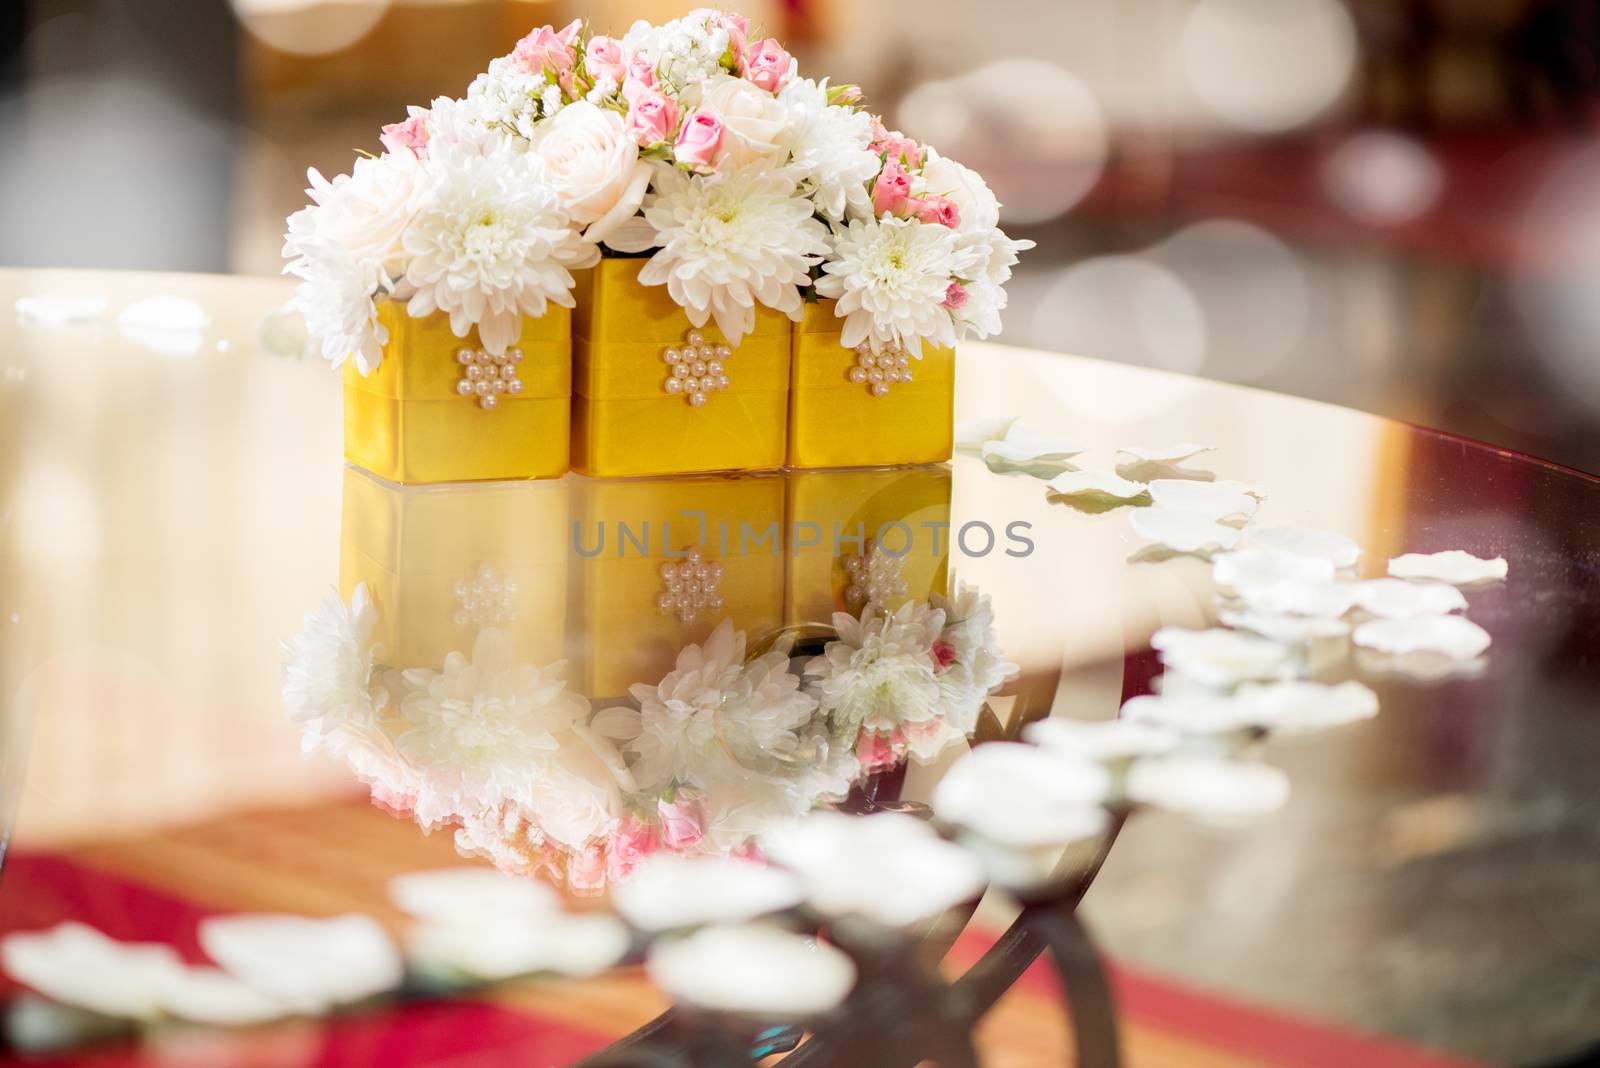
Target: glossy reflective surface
(173, 507)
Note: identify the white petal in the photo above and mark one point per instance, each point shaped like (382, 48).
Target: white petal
(1021, 795)
(667, 891)
(1451, 636)
(450, 895)
(1398, 599)
(973, 433)
(77, 965)
(310, 964)
(1219, 658)
(1165, 454)
(1023, 444)
(1300, 707)
(1109, 739)
(1093, 483)
(212, 996)
(1452, 566)
(753, 969)
(578, 945)
(889, 868)
(1290, 630)
(59, 310)
(1182, 532)
(1189, 712)
(1337, 549)
(1316, 598)
(1208, 788)
(1214, 500)
(1265, 567)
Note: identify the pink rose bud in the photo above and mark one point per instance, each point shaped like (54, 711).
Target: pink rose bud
(652, 117)
(904, 149)
(632, 842)
(891, 193)
(698, 139)
(954, 298)
(944, 654)
(877, 752)
(880, 132)
(682, 823)
(547, 49)
(738, 26)
(603, 57)
(934, 209)
(766, 65)
(411, 134)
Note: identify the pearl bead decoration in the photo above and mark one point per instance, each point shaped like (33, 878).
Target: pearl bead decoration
(881, 370)
(486, 376)
(877, 578)
(696, 369)
(689, 587)
(485, 600)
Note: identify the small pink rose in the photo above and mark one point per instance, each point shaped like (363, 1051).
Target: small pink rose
(586, 870)
(652, 117)
(411, 134)
(955, 298)
(878, 752)
(904, 149)
(738, 26)
(698, 139)
(638, 76)
(547, 49)
(936, 209)
(880, 132)
(766, 65)
(633, 841)
(892, 191)
(603, 57)
(682, 823)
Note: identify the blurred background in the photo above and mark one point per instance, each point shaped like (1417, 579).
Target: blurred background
(1388, 204)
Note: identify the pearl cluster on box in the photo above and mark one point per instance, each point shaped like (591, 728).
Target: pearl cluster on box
(874, 579)
(690, 586)
(697, 369)
(486, 376)
(485, 600)
(883, 370)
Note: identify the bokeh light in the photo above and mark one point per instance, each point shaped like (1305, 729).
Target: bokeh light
(1268, 65)
(1123, 308)
(309, 27)
(1382, 178)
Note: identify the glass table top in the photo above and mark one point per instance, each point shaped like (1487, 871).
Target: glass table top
(173, 504)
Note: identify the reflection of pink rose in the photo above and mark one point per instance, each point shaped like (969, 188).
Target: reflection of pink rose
(698, 139)
(412, 134)
(935, 209)
(892, 191)
(586, 870)
(879, 752)
(955, 298)
(633, 842)
(765, 64)
(652, 117)
(682, 823)
(547, 49)
(603, 57)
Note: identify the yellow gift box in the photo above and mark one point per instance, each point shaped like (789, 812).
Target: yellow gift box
(836, 521)
(443, 562)
(626, 532)
(625, 422)
(407, 423)
(834, 422)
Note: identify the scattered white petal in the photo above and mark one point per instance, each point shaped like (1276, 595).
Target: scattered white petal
(1300, 707)
(667, 891)
(578, 945)
(59, 311)
(1182, 532)
(752, 969)
(77, 965)
(1337, 549)
(1213, 500)
(1393, 598)
(973, 433)
(1317, 598)
(1290, 630)
(283, 333)
(1189, 712)
(1209, 788)
(212, 996)
(1219, 658)
(309, 964)
(889, 868)
(1106, 739)
(172, 326)
(1420, 667)
(1166, 454)
(1453, 566)
(1093, 484)
(449, 894)
(1025, 447)
(1451, 636)
(1249, 568)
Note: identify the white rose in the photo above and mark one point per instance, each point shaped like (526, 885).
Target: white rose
(577, 796)
(362, 215)
(753, 120)
(593, 165)
(947, 178)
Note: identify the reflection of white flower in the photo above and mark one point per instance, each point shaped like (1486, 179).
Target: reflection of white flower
(327, 678)
(879, 672)
(753, 969)
(979, 667)
(730, 241)
(577, 796)
(309, 964)
(829, 146)
(890, 277)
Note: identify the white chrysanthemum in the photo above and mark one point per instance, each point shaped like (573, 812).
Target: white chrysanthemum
(879, 674)
(979, 667)
(493, 244)
(327, 680)
(482, 730)
(890, 277)
(829, 144)
(336, 301)
(730, 241)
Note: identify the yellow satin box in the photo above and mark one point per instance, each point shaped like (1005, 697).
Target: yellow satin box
(624, 420)
(443, 562)
(835, 422)
(627, 532)
(408, 422)
(837, 519)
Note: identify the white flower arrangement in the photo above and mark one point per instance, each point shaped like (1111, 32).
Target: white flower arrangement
(693, 142)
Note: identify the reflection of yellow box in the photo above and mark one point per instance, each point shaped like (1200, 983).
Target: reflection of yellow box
(407, 422)
(623, 533)
(835, 516)
(624, 420)
(834, 422)
(438, 559)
